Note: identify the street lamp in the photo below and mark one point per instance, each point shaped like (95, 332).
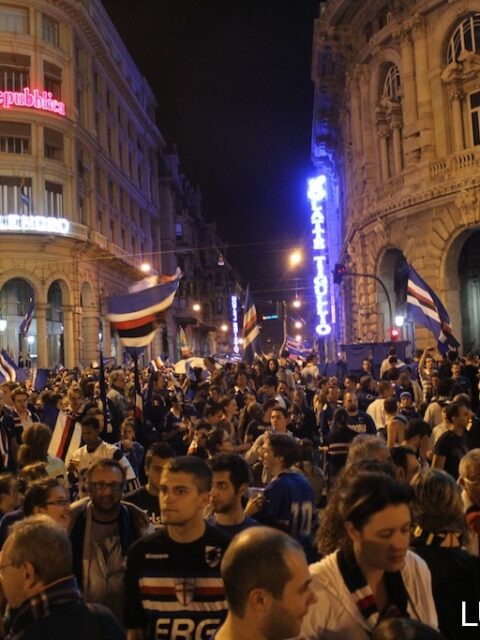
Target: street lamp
(298, 324)
(196, 307)
(295, 258)
(298, 338)
(145, 267)
(296, 303)
(224, 328)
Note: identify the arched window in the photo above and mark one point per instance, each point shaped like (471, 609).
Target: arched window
(466, 37)
(391, 84)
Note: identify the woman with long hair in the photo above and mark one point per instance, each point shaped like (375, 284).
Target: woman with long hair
(373, 575)
(438, 536)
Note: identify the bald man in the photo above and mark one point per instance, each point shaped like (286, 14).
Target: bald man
(267, 586)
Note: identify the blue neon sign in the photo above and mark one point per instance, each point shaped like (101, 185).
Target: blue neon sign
(316, 194)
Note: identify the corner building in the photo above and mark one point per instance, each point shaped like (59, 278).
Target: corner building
(79, 188)
(397, 119)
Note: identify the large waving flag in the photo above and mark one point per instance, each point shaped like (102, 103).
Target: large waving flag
(426, 309)
(251, 330)
(27, 319)
(134, 315)
(67, 433)
(8, 368)
(297, 348)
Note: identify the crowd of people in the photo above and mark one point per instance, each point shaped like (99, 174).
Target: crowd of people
(262, 501)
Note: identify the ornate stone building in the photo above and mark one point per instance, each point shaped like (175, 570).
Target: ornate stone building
(397, 123)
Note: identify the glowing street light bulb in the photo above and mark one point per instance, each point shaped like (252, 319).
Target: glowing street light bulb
(145, 267)
(296, 303)
(196, 307)
(298, 338)
(224, 327)
(295, 258)
(298, 324)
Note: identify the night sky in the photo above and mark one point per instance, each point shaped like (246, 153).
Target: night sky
(232, 80)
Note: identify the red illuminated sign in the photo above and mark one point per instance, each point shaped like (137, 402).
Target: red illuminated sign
(42, 100)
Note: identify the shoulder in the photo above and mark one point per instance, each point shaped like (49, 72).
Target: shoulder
(152, 541)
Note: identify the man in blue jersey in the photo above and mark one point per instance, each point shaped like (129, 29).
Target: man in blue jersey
(288, 502)
(229, 486)
(173, 588)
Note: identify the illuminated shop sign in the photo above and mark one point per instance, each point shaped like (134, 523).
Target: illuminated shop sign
(35, 224)
(42, 100)
(234, 304)
(317, 193)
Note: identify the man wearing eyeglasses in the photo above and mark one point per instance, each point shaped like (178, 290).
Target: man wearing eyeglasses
(469, 479)
(103, 528)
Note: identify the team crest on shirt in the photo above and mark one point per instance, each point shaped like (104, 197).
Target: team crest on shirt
(213, 555)
(185, 590)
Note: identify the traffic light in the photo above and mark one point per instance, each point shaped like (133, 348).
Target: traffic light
(339, 271)
(394, 334)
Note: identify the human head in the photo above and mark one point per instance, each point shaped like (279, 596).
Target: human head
(469, 475)
(128, 429)
(417, 433)
(404, 629)
(75, 398)
(350, 402)
(279, 419)
(106, 480)
(118, 379)
(280, 451)
(390, 406)
(457, 415)
(437, 505)
(36, 553)
(90, 428)
(231, 475)
(218, 441)
(405, 400)
(365, 447)
(35, 442)
(8, 493)
(406, 463)
(267, 582)
(375, 511)
(20, 400)
(49, 497)
(366, 365)
(267, 408)
(157, 456)
(456, 369)
(213, 413)
(385, 389)
(185, 486)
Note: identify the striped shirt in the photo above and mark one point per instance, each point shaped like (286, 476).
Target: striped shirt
(174, 590)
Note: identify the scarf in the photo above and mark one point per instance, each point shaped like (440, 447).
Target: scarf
(55, 596)
(362, 594)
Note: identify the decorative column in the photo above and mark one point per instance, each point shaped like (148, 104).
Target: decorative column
(382, 138)
(107, 338)
(457, 121)
(68, 337)
(425, 115)
(409, 102)
(397, 147)
(90, 327)
(367, 125)
(41, 317)
(356, 116)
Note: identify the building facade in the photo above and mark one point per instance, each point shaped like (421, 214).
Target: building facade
(89, 193)
(397, 126)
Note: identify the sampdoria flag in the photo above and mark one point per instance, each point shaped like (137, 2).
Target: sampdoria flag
(426, 309)
(8, 368)
(251, 330)
(296, 348)
(66, 433)
(134, 315)
(27, 319)
(184, 348)
(40, 379)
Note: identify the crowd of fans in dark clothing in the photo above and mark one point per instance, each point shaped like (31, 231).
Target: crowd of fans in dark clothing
(375, 477)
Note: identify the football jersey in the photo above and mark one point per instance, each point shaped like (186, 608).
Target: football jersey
(289, 505)
(174, 590)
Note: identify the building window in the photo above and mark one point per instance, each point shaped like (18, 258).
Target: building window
(52, 79)
(14, 72)
(52, 144)
(50, 30)
(391, 84)
(15, 195)
(179, 230)
(53, 199)
(13, 19)
(15, 137)
(466, 37)
(474, 101)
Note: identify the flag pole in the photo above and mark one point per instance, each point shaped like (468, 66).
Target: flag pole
(103, 394)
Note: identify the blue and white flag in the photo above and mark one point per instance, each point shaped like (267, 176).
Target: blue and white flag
(8, 368)
(135, 315)
(27, 319)
(297, 348)
(40, 379)
(426, 309)
(251, 329)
